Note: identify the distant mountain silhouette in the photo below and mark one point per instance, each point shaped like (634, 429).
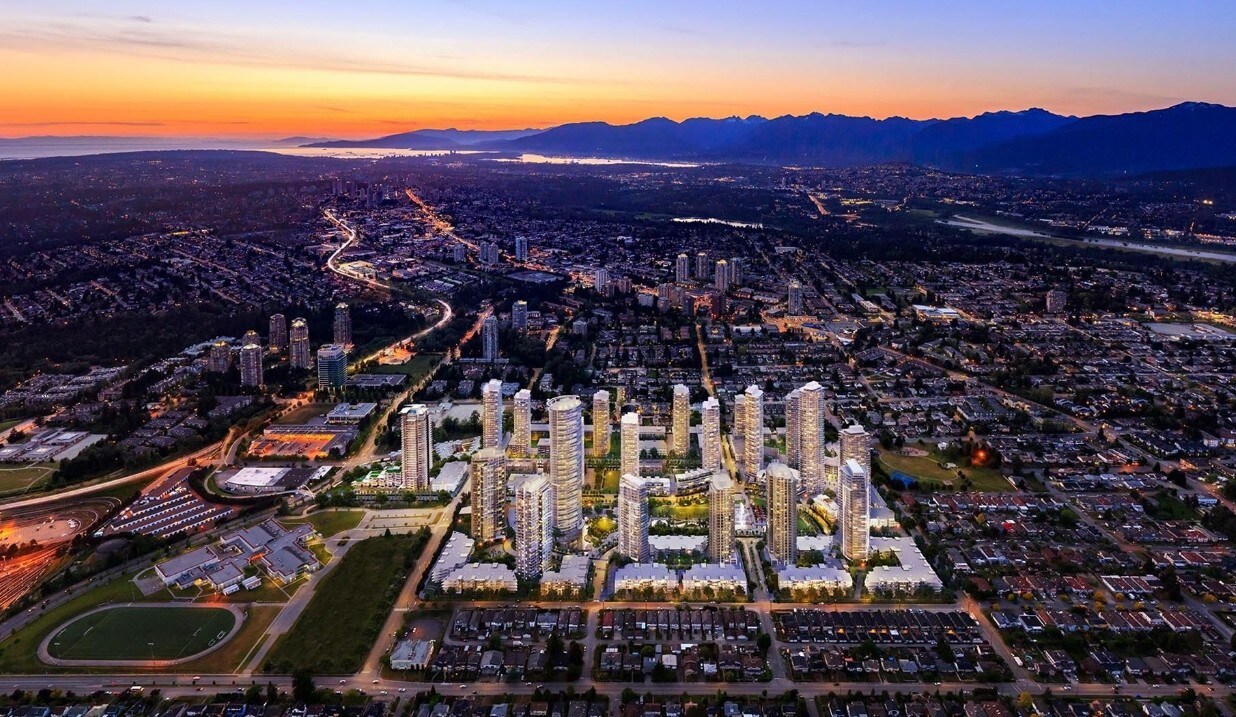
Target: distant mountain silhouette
(1191, 135)
(942, 141)
(1030, 142)
(444, 139)
(468, 137)
(403, 140)
(831, 140)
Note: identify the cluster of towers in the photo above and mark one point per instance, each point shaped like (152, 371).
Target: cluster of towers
(725, 272)
(331, 359)
(547, 507)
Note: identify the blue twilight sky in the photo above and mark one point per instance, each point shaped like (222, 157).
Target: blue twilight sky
(360, 68)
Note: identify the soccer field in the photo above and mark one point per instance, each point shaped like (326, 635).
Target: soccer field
(141, 633)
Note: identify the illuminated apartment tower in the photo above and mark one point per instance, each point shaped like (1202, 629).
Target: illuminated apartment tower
(856, 446)
(521, 248)
(600, 424)
(628, 444)
(782, 538)
(521, 441)
(721, 279)
(633, 518)
(753, 432)
(489, 339)
(534, 526)
(566, 466)
(721, 519)
(600, 280)
(682, 269)
(343, 325)
(519, 316)
(491, 414)
(710, 434)
(794, 302)
(488, 494)
(682, 420)
(278, 329)
(701, 266)
(251, 337)
(793, 433)
(251, 365)
(417, 442)
(298, 345)
(219, 360)
(332, 366)
(854, 497)
(811, 438)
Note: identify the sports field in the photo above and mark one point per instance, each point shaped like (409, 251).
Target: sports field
(141, 633)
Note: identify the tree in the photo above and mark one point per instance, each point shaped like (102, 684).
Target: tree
(1025, 701)
(764, 642)
(253, 695)
(945, 650)
(303, 687)
(272, 693)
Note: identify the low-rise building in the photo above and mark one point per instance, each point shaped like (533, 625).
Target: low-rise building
(480, 577)
(715, 577)
(642, 576)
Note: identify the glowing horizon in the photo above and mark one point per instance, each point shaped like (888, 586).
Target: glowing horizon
(276, 69)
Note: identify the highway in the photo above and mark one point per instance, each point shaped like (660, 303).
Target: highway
(147, 474)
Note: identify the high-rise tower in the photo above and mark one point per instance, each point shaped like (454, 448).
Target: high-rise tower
(534, 526)
(278, 330)
(489, 339)
(521, 440)
(566, 466)
(854, 498)
(629, 444)
(753, 432)
(600, 423)
(721, 519)
(299, 355)
(417, 441)
(710, 434)
(681, 418)
(343, 325)
(488, 494)
(251, 365)
(633, 518)
(782, 538)
(491, 414)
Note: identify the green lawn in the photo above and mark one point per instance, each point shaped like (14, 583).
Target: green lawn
(9, 423)
(137, 633)
(414, 368)
(677, 511)
(331, 522)
(231, 656)
(304, 413)
(931, 474)
(339, 625)
(19, 651)
(17, 479)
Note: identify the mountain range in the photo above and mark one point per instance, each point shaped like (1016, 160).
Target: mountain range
(1190, 135)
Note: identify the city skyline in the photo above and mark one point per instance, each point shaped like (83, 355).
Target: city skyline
(143, 70)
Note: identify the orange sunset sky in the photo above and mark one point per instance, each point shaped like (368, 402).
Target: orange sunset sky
(274, 69)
